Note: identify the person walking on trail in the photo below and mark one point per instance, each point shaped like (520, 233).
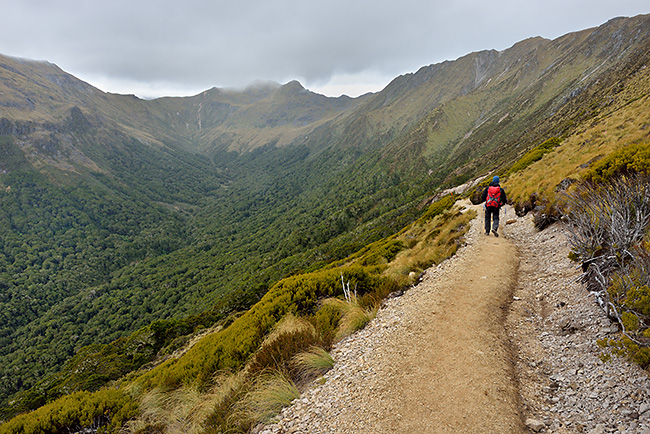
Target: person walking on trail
(494, 197)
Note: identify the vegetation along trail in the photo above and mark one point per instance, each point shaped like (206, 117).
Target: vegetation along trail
(435, 360)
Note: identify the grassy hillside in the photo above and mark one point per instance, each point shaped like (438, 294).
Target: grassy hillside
(623, 121)
(118, 213)
(249, 344)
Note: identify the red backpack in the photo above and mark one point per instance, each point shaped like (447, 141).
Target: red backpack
(493, 196)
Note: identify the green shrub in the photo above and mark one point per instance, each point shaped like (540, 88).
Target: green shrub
(374, 254)
(625, 347)
(534, 155)
(438, 207)
(372, 300)
(626, 161)
(94, 366)
(382, 252)
(326, 321)
(104, 411)
(232, 347)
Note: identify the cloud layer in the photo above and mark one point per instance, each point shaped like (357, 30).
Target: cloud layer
(162, 47)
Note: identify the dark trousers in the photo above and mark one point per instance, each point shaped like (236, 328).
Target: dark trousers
(491, 213)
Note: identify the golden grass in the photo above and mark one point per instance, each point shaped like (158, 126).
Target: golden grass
(313, 363)
(430, 243)
(353, 318)
(595, 139)
(251, 396)
(290, 324)
(272, 391)
(181, 411)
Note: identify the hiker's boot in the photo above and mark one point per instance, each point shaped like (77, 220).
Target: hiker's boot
(494, 232)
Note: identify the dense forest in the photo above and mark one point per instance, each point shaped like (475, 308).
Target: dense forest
(85, 264)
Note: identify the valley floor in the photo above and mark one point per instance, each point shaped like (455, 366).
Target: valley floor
(498, 339)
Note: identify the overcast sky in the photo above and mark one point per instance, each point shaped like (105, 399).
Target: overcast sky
(155, 48)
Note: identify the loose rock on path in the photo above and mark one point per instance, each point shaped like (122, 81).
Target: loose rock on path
(498, 339)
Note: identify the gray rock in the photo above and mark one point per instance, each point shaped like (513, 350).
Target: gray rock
(643, 408)
(535, 425)
(600, 429)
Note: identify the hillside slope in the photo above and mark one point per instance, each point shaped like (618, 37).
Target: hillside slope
(544, 371)
(117, 211)
(434, 360)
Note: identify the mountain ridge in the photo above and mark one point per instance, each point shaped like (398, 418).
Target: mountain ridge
(224, 119)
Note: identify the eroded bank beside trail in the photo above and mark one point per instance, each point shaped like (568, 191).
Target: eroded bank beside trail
(555, 324)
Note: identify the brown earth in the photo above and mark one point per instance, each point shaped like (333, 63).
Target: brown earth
(459, 378)
(481, 345)
(434, 360)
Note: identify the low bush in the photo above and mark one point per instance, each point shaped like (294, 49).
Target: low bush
(441, 205)
(628, 161)
(326, 320)
(606, 223)
(609, 231)
(232, 347)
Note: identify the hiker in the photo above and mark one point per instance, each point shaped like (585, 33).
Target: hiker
(494, 197)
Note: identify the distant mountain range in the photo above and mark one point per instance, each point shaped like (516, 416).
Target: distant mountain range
(462, 104)
(117, 211)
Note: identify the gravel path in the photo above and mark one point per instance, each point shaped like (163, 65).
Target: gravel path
(554, 325)
(498, 339)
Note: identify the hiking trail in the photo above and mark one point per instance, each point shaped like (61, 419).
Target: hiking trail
(467, 351)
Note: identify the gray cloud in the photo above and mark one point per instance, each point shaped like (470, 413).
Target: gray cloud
(156, 47)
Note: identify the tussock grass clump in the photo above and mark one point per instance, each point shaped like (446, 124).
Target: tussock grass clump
(312, 363)
(186, 410)
(290, 336)
(271, 391)
(353, 316)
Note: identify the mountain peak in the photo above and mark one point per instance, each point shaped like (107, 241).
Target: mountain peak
(293, 87)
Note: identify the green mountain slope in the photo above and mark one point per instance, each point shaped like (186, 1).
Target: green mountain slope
(116, 212)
